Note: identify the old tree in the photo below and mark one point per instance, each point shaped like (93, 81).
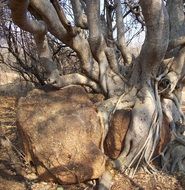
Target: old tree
(148, 86)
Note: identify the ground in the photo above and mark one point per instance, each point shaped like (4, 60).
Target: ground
(16, 175)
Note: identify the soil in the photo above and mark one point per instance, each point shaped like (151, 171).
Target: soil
(15, 174)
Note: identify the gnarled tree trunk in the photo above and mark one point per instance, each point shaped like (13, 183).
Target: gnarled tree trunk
(153, 86)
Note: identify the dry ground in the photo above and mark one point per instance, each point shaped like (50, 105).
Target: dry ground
(16, 175)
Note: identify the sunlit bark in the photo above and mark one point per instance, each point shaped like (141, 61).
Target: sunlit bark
(150, 90)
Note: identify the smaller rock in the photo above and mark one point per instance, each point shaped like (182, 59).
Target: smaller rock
(119, 124)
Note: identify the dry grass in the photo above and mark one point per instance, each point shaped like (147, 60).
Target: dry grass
(7, 111)
(7, 77)
(13, 170)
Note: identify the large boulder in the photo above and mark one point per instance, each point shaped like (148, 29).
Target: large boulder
(61, 135)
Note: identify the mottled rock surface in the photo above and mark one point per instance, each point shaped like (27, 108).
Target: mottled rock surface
(114, 141)
(61, 134)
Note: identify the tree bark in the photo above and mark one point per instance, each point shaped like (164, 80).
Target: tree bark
(154, 84)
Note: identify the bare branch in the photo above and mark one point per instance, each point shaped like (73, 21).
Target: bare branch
(136, 11)
(176, 73)
(99, 49)
(109, 10)
(177, 23)
(96, 40)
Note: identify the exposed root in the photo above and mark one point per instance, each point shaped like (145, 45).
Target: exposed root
(76, 79)
(143, 134)
(174, 154)
(105, 181)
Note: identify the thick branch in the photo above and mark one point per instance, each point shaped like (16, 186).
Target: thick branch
(42, 45)
(177, 39)
(50, 16)
(72, 30)
(176, 42)
(38, 29)
(178, 63)
(177, 24)
(76, 78)
(176, 73)
(109, 36)
(79, 16)
(120, 33)
(157, 37)
(19, 16)
(96, 39)
(77, 43)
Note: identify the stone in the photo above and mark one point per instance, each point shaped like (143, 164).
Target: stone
(61, 135)
(164, 138)
(114, 141)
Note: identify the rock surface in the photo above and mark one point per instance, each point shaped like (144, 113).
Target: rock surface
(164, 138)
(61, 135)
(115, 137)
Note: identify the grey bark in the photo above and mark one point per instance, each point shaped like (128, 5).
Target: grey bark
(164, 32)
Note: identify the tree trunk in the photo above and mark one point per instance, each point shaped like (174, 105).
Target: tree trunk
(151, 90)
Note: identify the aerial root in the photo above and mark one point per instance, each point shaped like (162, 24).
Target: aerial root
(174, 154)
(148, 148)
(144, 154)
(146, 151)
